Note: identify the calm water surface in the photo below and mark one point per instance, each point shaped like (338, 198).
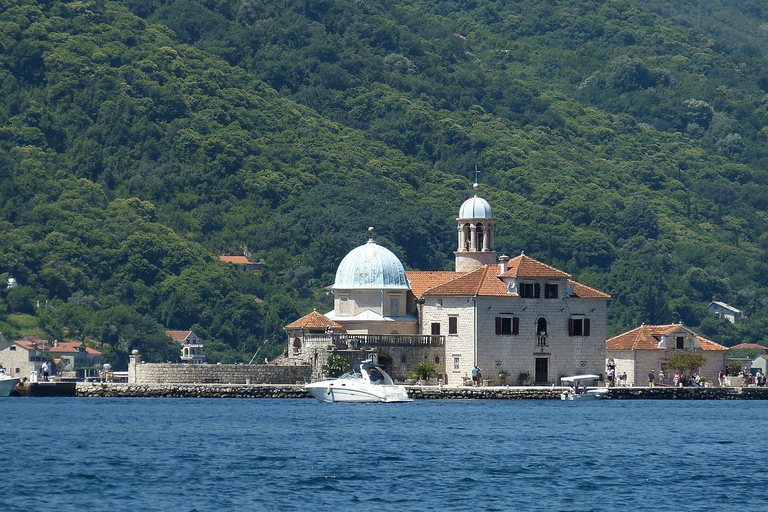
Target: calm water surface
(78, 454)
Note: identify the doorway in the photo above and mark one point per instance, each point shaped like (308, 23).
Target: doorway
(541, 375)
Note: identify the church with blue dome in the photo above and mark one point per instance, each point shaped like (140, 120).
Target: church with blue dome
(517, 319)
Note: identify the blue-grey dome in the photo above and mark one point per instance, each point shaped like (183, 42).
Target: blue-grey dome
(370, 266)
(475, 208)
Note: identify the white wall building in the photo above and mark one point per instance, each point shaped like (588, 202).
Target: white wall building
(648, 347)
(511, 317)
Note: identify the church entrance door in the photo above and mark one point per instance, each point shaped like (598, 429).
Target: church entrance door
(541, 375)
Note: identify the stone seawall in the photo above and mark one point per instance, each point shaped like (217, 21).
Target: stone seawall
(191, 390)
(416, 392)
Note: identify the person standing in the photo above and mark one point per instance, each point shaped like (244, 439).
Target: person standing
(476, 376)
(651, 379)
(721, 379)
(45, 370)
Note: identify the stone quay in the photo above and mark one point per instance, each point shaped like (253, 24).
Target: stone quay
(103, 389)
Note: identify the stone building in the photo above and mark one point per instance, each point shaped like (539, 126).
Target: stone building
(512, 318)
(23, 356)
(648, 347)
(191, 347)
(519, 320)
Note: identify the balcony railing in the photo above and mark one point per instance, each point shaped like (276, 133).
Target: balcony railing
(541, 340)
(354, 341)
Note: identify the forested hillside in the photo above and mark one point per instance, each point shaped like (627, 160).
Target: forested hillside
(620, 141)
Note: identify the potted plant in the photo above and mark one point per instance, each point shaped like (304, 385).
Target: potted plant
(424, 371)
(524, 379)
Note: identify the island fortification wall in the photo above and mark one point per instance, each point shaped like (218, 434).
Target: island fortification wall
(173, 373)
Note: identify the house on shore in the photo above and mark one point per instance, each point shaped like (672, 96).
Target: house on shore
(648, 347)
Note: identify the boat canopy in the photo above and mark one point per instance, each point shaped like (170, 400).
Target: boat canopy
(576, 378)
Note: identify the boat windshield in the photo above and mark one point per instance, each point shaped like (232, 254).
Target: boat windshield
(351, 376)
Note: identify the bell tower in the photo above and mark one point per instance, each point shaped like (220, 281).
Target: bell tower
(475, 234)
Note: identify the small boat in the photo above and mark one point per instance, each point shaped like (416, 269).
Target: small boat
(578, 388)
(366, 383)
(7, 383)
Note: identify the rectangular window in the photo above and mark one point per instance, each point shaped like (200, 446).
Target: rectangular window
(578, 327)
(526, 290)
(550, 291)
(435, 328)
(506, 325)
(453, 325)
(394, 306)
(456, 363)
(13, 347)
(343, 306)
(680, 342)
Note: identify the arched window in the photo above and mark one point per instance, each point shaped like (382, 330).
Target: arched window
(403, 359)
(541, 326)
(437, 359)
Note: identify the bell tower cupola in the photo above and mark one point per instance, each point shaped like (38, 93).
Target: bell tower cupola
(475, 232)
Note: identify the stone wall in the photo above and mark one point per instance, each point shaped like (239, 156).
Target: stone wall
(174, 373)
(416, 392)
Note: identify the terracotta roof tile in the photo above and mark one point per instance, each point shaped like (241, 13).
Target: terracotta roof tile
(645, 338)
(178, 335)
(753, 346)
(314, 320)
(584, 291)
(242, 260)
(525, 266)
(483, 281)
(65, 347)
(422, 281)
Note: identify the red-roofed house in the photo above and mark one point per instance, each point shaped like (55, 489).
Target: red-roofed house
(243, 263)
(78, 361)
(23, 356)
(191, 346)
(648, 347)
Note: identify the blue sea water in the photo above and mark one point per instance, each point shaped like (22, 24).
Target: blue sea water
(79, 454)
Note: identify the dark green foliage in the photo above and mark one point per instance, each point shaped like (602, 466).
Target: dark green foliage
(139, 138)
(336, 365)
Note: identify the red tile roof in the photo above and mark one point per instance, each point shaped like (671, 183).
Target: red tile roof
(753, 346)
(486, 281)
(178, 335)
(584, 291)
(67, 347)
(645, 338)
(483, 281)
(314, 320)
(422, 281)
(30, 345)
(242, 260)
(525, 266)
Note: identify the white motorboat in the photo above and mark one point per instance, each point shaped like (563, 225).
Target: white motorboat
(578, 388)
(7, 383)
(367, 382)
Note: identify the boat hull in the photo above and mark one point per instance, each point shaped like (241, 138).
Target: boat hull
(7, 385)
(592, 394)
(335, 391)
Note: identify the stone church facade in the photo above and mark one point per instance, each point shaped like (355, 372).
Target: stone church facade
(519, 320)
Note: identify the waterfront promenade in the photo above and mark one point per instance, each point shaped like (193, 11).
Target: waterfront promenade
(417, 392)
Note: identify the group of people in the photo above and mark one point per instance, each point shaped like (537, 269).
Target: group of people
(613, 379)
